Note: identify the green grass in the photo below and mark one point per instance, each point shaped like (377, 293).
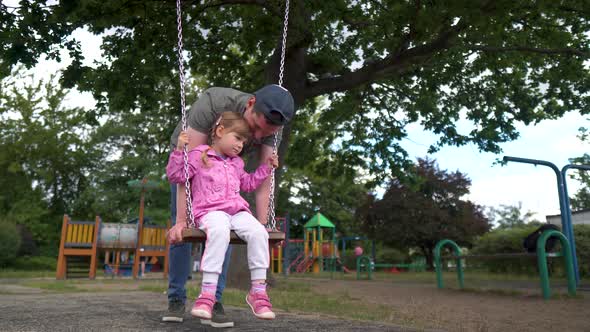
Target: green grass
(60, 286)
(426, 277)
(19, 274)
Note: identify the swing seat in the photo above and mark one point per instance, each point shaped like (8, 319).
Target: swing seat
(197, 235)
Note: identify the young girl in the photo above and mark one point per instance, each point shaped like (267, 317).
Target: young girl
(216, 174)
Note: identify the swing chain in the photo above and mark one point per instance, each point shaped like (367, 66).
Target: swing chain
(187, 188)
(284, 44)
(271, 214)
(271, 201)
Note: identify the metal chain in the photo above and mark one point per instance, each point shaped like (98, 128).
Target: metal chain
(187, 186)
(189, 204)
(271, 200)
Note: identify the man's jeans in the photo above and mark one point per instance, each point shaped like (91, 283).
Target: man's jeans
(180, 263)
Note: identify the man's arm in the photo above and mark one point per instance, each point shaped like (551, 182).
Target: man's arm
(262, 193)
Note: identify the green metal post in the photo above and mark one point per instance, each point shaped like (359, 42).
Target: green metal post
(566, 252)
(438, 262)
(359, 262)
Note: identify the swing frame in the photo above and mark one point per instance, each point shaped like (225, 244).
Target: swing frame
(192, 233)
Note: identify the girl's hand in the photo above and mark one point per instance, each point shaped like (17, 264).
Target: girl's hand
(182, 140)
(273, 161)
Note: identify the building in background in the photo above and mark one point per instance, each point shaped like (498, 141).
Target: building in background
(578, 218)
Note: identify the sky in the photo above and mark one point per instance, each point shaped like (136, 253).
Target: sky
(534, 186)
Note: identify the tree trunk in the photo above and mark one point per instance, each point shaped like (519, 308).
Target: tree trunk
(294, 81)
(427, 252)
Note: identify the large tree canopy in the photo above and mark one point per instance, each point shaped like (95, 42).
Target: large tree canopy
(382, 64)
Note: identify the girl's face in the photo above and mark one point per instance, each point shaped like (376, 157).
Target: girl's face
(230, 143)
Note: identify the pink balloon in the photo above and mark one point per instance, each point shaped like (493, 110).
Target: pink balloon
(358, 251)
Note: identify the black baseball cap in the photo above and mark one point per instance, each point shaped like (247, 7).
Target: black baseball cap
(276, 103)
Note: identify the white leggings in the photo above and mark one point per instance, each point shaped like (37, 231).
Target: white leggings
(217, 226)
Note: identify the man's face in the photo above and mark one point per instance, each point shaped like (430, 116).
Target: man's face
(258, 125)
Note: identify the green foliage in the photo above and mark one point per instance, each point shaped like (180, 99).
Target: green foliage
(320, 178)
(581, 199)
(582, 236)
(391, 255)
(509, 216)
(9, 242)
(36, 263)
(504, 240)
(58, 162)
(381, 66)
(430, 210)
(510, 241)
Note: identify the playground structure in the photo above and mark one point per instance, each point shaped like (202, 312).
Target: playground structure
(318, 247)
(564, 201)
(318, 252)
(541, 256)
(81, 240)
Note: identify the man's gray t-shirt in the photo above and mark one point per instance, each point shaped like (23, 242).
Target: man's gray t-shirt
(207, 109)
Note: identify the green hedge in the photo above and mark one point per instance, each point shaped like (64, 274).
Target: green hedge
(582, 236)
(35, 263)
(510, 241)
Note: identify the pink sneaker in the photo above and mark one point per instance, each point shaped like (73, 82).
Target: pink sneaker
(260, 305)
(203, 306)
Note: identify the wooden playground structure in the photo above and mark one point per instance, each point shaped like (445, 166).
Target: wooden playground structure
(83, 239)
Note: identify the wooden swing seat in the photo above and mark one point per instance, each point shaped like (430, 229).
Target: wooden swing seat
(197, 235)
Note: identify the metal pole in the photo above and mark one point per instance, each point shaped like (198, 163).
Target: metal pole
(570, 234)
(286, 247)
(563, 208)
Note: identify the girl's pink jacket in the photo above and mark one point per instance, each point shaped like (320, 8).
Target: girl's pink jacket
(217, 187)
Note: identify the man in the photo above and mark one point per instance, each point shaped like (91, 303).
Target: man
(265, 111)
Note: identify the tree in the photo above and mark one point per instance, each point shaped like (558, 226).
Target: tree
(510, 216)
(382, 64)
(581, 199)
(46, 151)
(320, 178)
(421, 214)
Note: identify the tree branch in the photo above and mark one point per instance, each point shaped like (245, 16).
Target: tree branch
(567, 51)
(395, 63)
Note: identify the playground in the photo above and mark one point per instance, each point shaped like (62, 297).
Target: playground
(407, 302)
(382, 116)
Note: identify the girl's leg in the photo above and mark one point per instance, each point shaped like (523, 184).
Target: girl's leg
(217, 227)
(254, 233)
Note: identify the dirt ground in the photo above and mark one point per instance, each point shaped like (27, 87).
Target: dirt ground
(414, 306)
(453, 310)
(141, 311)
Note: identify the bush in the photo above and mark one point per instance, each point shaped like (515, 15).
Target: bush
(510, 241)
(36, 263)
(9, 242)
(504, 241)
(582, 236)
(391, 255)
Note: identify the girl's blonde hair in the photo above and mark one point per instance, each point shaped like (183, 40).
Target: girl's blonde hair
(231, 122)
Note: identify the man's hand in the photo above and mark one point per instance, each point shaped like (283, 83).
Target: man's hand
(273, 161)
(175, 233)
